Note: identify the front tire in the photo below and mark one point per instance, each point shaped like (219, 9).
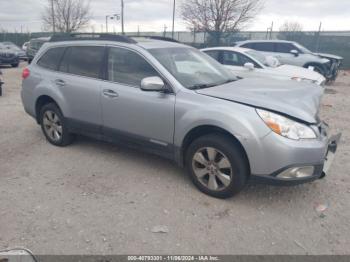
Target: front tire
(217, 166)
(15, 65)
(54, 125)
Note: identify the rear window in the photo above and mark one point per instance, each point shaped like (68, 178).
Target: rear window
(51, 58)
(83, 61)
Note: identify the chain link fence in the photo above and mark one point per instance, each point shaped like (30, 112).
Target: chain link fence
(332, 42)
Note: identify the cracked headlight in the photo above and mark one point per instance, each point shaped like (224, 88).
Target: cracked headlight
(285, 126)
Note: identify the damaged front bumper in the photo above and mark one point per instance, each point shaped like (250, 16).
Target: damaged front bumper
(299, 174)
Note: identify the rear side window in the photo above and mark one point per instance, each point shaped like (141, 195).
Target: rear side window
(264, 47)
(51, 58)
(83, 61)
(127, 67)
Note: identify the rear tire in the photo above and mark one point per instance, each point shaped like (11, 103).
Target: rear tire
(217, 166)
(54, 126)
(15, 65)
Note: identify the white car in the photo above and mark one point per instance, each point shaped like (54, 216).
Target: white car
(247, 63)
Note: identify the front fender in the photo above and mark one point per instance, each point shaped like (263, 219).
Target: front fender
(239, 120)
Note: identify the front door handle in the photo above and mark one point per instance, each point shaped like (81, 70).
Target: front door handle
(110, 93)
(60, 82)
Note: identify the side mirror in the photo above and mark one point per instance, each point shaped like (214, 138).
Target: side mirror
(249, 66)
(153, 83)
(294, 52)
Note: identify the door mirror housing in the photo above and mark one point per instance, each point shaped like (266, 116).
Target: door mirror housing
(153, 83)
(249, 66)
(294, 52)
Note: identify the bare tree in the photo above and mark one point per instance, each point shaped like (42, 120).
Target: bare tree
(291, 26)
(66, 15)
(218, 16)
(291, 30)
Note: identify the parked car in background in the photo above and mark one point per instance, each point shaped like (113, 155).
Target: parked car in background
(8, 56)
(175, 101)
(34, 46)
(19, 52)
(24, 46)
(250, 63)
(292, 53)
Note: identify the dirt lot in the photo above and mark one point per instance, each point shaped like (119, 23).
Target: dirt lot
(96, 198)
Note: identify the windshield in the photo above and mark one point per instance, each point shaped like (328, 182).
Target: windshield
(268, 61)
(303, 49)
(192, 68)
(36, 44)
(258, 56)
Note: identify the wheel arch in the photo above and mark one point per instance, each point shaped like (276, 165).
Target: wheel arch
(202, 130)
(316, 64)
(40, 102)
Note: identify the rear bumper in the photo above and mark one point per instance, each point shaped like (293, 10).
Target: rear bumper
(319, 170)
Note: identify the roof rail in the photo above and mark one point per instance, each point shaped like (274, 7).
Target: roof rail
(93, 36)
(163, 38)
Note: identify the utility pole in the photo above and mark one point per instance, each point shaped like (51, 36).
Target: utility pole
(173, 29)
(53, 16)
(107, 23)
(165, 28)
(318, 38)
(122, 16)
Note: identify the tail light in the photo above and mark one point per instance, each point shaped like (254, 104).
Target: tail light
(25, 73)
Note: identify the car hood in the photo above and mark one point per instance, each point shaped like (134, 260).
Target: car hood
(295, 99)
(295, 71)
(329, 56)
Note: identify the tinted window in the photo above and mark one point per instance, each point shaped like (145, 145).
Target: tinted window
(284, 47)
(214, 54)
(127, 67)
(265, 47)
(230, 58)
(236, 59)
(51, 58)
(248, 45)
(83, 61)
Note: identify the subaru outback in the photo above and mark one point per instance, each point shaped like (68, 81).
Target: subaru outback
(173, 100)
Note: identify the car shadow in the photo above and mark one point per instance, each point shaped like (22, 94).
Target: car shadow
(253, 194)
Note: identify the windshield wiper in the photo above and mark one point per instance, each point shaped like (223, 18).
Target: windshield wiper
(201, 86)
(232, 80)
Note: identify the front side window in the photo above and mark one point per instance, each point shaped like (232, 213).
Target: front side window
(51, 58)
(264, 47)
(127, 67)
(192, 68)
(83, 61)
(231, 58)
(214, 54)
(284, 47)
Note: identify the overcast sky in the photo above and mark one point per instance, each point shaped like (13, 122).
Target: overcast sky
(152, 15)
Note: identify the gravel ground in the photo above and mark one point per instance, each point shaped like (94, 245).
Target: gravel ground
(97, 198)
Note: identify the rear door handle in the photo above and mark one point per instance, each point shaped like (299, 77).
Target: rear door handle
(60, 82)
(110, 93)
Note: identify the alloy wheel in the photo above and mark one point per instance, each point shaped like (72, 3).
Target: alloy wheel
(212, 168)
(52, 125)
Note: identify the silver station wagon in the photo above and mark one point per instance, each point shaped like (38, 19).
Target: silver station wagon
(173, 100)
